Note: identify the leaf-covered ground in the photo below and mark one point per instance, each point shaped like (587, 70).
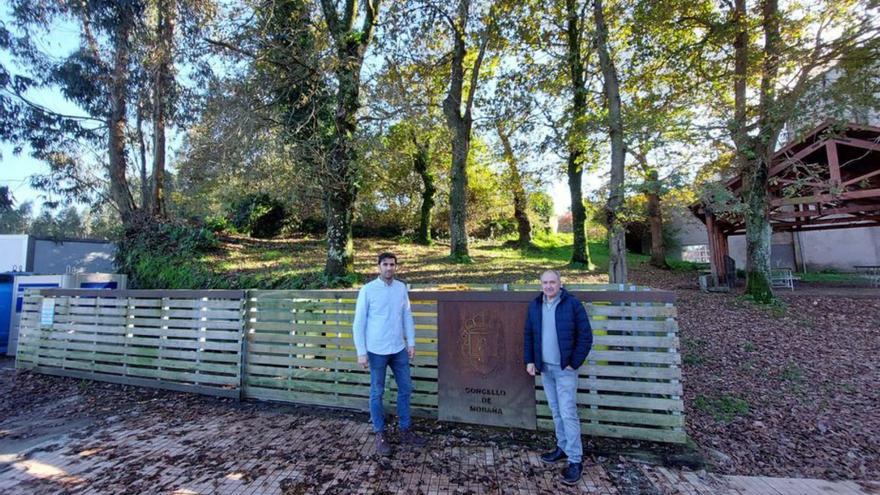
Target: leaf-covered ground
(791, 390)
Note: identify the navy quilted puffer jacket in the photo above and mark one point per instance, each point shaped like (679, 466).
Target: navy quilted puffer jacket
(572, 330)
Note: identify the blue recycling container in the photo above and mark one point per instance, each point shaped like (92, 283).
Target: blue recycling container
(6, 281)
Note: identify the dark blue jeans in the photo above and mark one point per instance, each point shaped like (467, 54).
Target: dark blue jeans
(399, 364)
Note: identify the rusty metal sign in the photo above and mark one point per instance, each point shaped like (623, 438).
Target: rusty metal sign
(481, 374)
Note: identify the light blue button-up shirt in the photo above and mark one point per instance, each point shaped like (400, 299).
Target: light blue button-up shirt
(383, 322)
(549, 340)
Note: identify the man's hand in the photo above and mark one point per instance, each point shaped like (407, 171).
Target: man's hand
(530, 369)
(569, 368)
(362, 360)
(411, 352)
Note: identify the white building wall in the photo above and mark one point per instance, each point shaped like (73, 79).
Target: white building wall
(13, 253)
(839, 250)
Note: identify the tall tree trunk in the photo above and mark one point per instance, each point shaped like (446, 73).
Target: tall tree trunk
(340, 185)
(460, 122)
(460, 126)
(161, 82)
(520, 211)
(142, 156)
(461, 142)
(420, 164)
(580, 255)
(617, 272)
(340, 176)
(758, 231)
(117, 162)
(655, 219)
(754, 153)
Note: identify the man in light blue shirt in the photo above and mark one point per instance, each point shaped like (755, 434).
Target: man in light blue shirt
(384, 336)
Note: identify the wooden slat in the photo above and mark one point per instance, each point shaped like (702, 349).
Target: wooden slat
(357, 403)
(151, 294)
(632, 402)
(635, 357)
(635, 325)
(636, 341)
(613, 431)
(140, 382)
(665, 420)
(631, 311)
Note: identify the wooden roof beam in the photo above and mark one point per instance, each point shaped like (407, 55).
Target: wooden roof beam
(827, 198)
(825, 212)
(808, 227)
(860, 178)
(858, 143)
(826, 221)
(833, 162)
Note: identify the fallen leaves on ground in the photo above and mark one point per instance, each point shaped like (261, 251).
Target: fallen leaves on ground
(791, 390)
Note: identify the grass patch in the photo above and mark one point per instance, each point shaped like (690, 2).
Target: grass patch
(749, 347)
(775, 308)
(272, 255)
(792, 373)
(686, 266)
(724, 409)
(832, 277)
(693, 351)
(241, 262)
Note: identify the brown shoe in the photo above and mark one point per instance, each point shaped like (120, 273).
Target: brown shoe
(383, 448)
(408, 437)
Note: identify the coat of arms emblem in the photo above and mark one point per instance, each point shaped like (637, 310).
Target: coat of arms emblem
(480, 344)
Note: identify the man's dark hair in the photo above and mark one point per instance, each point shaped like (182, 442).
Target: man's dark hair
(385, 256)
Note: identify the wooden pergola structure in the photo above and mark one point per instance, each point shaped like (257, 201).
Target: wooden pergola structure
(829, 179)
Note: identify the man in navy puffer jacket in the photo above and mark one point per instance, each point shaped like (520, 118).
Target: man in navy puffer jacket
(558, 338)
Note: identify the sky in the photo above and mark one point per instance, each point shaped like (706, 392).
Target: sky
(16, 169)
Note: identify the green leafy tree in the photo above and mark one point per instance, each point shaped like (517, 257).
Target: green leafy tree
(89, 150)
(66, 224)
(405, 109)
(15, 220)
(340, 177)
(556, 56)
(778, 53)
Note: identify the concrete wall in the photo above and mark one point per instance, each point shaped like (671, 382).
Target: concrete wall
(820, 249)
(688, 230)
(80, 256)
(841, 249)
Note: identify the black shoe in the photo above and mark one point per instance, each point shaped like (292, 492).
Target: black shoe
(408, 437)
(572, 474)
(553, 457)
(383, 448)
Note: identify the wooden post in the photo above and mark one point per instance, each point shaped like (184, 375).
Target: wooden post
(723, 253)
(248, 306)
(712, 230)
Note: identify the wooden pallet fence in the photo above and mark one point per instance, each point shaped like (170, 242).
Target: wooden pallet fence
(179, 340)
(296, 346)
(299, 348)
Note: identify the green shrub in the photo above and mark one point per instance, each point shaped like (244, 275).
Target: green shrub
(218, 223)
(165, 255)
(258, 215)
